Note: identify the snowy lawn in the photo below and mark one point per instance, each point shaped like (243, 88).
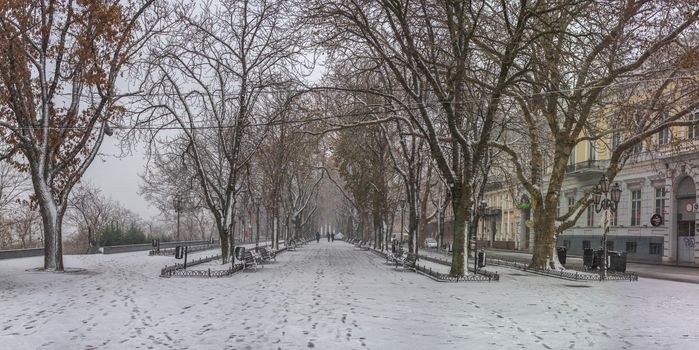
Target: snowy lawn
(331, 296)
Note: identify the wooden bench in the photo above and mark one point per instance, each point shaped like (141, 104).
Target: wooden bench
(406, 261)
(266, 254)
(391, 256)
(249, 261)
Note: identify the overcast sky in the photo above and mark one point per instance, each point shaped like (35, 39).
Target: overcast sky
(119, 179)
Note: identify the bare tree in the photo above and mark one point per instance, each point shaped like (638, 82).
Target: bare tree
(596, 69)
(453, 61)
(58, 72)
(90, 211)
(208, 77)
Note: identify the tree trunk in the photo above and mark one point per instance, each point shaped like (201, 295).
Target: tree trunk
(544, 241)
(460, 228)
(53, 244)
(275, 233)
(223, 236)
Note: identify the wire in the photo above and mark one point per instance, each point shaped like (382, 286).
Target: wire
(408, 107)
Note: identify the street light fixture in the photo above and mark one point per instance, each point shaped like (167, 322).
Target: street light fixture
(481, 211)
(609, 204)
(177, 204)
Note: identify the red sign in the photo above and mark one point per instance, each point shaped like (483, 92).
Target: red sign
(656, 220)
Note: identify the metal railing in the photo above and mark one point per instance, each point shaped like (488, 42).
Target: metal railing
(190, 249)
(565, 274)
(178, 270)
(479, 276)
(592, 164)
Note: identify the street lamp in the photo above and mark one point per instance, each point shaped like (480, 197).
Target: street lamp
(609, 204)
(177, 204)
(481, 212)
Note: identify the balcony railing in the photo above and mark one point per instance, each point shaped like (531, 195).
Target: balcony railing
(592, 165)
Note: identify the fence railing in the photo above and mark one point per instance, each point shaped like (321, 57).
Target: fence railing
(565, 274)
(178, 270)
(190, 249)
(492, 275)
(478, 276)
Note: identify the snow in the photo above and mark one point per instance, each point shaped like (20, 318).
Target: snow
(331, 296)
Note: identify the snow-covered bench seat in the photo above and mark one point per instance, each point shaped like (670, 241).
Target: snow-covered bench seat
(249, 260)
(266, 254)
(406, 261)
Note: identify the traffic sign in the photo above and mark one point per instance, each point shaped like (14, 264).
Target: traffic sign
(689, 207)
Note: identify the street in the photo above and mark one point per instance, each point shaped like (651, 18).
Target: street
(330, 295)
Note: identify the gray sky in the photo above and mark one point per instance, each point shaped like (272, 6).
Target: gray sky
(119, 179)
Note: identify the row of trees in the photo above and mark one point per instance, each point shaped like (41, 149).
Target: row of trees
(420, 101)
(509, 84)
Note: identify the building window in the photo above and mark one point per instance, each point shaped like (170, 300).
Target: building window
(558, 209)
(635, 208)
(637, 148)
(586, 244)
(571, 203)
(616, 140)
(590, 216)
(664, 136)
(566, 243)
(593, 151)
(630, 247)
(660, 201)
(655, 248)
(693, 130)
(610, 245)
(571, 158)
(615, 218)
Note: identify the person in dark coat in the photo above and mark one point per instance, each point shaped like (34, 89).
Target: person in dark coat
(317, 237)
(327, 234)
(332, 237)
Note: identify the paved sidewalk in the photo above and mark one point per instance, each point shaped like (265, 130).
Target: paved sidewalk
(661, 272)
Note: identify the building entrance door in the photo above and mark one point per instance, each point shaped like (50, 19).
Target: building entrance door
(685, 241)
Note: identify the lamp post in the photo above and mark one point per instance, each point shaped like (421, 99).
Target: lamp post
(609, 204)
(481, 212)
(177, 204)
(402, 214)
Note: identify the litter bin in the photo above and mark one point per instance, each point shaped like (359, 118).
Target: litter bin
(238, 252)
(481, 258)
(597, 260)
(562, 251)
(588, 259)
(617, 261)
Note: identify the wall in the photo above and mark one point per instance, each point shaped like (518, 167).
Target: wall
(21, 253)
(146, 246)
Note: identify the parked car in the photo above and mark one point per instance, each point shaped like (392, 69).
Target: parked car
(431, 243)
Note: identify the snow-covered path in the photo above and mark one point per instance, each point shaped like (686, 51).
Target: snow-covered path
(331, 296)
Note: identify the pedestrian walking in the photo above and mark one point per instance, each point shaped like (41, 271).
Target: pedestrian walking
(332, 237)
(317, 237)
(327, 234)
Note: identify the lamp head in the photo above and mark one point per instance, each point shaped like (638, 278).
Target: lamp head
(616, 192)
(596, 195)
(604, 183)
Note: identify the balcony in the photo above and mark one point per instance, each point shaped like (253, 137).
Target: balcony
(588, 167)
(492, 211)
